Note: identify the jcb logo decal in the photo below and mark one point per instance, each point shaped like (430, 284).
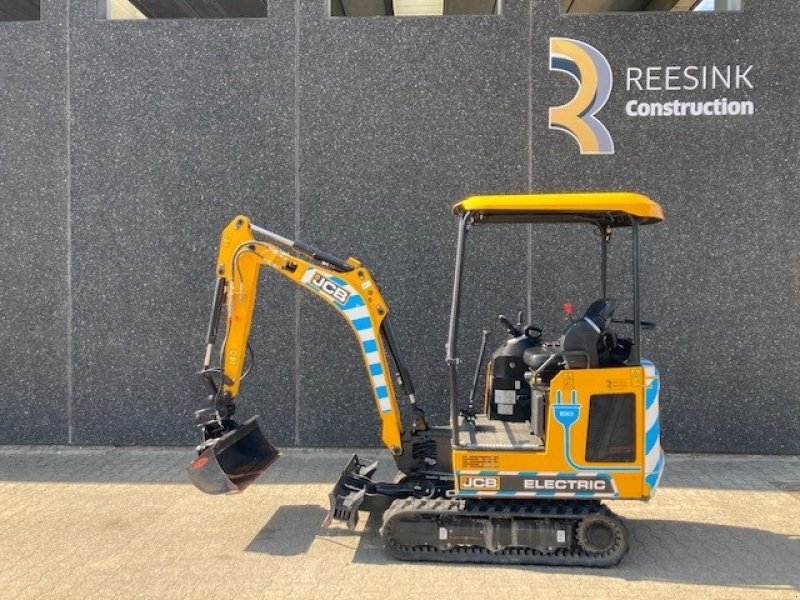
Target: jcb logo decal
(593, 73)
(471, 482)
(336, 292)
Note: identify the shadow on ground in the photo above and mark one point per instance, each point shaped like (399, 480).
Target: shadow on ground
(292, 530)
(661, 550)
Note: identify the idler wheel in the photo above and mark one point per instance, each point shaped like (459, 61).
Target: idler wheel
(599, 534)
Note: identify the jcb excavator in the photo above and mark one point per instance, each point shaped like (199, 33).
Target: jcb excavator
(565, 423)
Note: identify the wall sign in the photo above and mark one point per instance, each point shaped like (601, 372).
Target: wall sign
(578, 117)
(684, 83)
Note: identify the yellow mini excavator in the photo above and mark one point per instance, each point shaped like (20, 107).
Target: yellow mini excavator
(565, 423)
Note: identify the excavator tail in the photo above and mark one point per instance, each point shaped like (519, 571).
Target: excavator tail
(233, 461)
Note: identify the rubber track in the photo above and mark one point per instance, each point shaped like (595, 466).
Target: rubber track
(574, 511)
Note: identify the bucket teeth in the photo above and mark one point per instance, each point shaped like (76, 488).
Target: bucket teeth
(349, 492)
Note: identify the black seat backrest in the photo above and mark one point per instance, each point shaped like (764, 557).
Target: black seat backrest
(586, 334)
(600, 312)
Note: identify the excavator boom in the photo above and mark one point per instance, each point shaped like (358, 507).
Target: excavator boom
(232, 456)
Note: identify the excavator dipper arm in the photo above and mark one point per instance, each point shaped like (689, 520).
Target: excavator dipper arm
(346, 285)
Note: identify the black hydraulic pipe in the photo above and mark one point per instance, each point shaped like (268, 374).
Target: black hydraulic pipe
(319, 255)
(400, 363)
(636, 355)
(303, 248)
(213, 322)
(452, 335)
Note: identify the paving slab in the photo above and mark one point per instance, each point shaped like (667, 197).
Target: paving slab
(124, 523)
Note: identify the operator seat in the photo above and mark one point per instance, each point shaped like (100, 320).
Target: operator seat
(586, 334)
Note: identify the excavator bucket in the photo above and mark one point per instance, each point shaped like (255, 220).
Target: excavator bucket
(234, 461)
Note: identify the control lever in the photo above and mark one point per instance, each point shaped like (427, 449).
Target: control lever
(510, 327)
(470, 412)
(644, 324)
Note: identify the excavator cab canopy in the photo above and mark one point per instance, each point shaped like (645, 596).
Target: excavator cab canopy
(605, 209)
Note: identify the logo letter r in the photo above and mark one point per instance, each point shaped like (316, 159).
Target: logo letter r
(577, 117)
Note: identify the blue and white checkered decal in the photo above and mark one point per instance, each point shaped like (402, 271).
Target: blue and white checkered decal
(654, 455)
(355, 311)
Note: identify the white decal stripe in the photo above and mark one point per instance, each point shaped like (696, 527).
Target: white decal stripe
(365, 335)
(378, 380)
(660, 473)
(649, 372)
(651, 416)
(308, 275)
(359, 312)
(651, 460)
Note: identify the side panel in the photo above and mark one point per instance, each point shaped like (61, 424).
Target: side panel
(562, 469)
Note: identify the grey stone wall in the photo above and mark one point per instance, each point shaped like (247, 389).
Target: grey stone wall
(34, 229)
(127, 146)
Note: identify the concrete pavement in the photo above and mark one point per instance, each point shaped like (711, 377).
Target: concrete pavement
(124, 523)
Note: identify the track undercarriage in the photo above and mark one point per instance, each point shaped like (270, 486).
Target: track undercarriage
(423, 523)
(529, 532)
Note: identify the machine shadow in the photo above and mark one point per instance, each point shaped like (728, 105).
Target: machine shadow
(292, 530)
(661, 550)
(709, 554)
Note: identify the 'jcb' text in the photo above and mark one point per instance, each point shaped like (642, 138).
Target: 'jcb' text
(336, 292)
(480, 483)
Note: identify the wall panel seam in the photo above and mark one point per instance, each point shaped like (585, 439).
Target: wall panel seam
(297, 217)
(529, 257)
(68, 226)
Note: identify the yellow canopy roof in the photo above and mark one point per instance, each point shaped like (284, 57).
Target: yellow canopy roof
(604, 208)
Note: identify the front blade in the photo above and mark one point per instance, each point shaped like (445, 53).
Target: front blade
(350, 492)
(234, 461)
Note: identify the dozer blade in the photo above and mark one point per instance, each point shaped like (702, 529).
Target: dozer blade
(350, 492)
(233, 461)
